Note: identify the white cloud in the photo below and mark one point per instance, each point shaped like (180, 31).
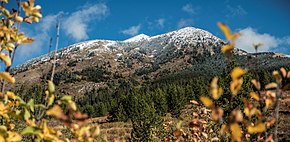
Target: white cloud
(235, 11)
(285, 40)
(184, 23)
(76, 24)
(250, 36)
(41, 34)
(133, 30)
(189, 9)
(160, 23)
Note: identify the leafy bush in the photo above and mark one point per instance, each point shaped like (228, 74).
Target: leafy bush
(23, 119)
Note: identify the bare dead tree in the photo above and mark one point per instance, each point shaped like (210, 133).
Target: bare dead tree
(50, 45)
(56, 48)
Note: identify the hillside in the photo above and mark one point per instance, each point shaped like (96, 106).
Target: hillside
(163, 72)
(94, 64)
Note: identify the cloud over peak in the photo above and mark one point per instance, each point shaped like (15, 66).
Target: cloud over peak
(133, 30)
(250, 36)
(76, 25)
(184, 23)
(235, 11)
(189, 9)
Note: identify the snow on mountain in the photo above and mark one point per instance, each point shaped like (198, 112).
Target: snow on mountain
(137, 38)
(188, 37)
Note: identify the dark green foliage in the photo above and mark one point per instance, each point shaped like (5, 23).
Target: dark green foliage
(176, 99)
(36, 91)
(141, 112)
(94, 74)
(160, 101)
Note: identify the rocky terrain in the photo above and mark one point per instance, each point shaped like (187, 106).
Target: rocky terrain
(95, 64)
(140, 58)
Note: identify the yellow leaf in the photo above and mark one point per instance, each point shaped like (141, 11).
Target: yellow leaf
(255, 96)
(6, 1)
(97, 131)
(51, 100)
(38, 7)
(227, 32)
(215, 90)
(72, 105)
(35, 19)
(6, 76)
(235, 36)
(18, 19)
(13, 137)
(252, 111)
(236, 115)
(2, 138)
(206, 101)
(21, 35)
(27, 40)
(11, 95)
(224, 129)
(275, 73)
(216, 93)
(237, 72)
(236, 86)
(214, 82)
(10, 45)
(56, 111)
(256, 84)
(225, 29)
(272, 85)
(283, 71)
(258, 128)
(269, 103)
(236, 132)
(226, 49)
(6, 59)
(37, 14)
(6, 13)
(277, 76)
(28, 20)
(51, 87)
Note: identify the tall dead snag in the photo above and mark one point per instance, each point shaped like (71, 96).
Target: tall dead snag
(56, 48)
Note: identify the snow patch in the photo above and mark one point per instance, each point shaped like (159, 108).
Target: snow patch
(137, 38)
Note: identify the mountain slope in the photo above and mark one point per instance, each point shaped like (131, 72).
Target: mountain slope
(95, 64)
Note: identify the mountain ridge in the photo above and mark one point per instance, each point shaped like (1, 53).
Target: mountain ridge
(141, 59)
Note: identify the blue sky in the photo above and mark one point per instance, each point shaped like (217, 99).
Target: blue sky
(265, 21)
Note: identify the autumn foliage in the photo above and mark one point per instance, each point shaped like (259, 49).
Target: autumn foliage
(20, 120)
(252, 120)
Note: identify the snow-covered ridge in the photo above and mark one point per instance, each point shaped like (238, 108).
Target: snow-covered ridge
(182, 38)
(71, 50)
(137, 38)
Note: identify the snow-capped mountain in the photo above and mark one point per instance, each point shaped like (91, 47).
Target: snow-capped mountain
(137, 38)
(142, 57)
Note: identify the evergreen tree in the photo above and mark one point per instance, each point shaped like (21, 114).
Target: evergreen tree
(143, 117)
(160, 101)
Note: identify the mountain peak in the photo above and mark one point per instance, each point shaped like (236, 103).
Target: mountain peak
(137, 38)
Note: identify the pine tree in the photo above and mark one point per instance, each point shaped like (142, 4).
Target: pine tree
(143, 117)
